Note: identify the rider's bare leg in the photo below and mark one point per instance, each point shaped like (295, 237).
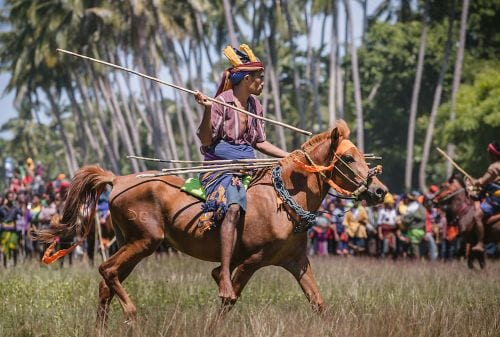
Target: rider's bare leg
(479, 228)
(227, 236)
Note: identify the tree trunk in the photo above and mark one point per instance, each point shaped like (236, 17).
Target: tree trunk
(457, 74)
(182, 129)
(84, 122)
(157, 135)
(69, 151)
(435, 105)
(130, 119)
(360, 138)
(110, 99)
(112, 156)
(364, 4)
(229, 22)
(414, 100)
(332, 79)
(296, 77)
(275, 89)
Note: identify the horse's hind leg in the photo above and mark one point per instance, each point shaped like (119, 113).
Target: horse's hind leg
(302, 271)
(116, 269)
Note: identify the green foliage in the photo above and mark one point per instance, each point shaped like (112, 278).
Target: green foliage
(388, 59)
(477, 117)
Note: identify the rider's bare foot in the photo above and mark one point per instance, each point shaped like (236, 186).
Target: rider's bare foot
(479, 247)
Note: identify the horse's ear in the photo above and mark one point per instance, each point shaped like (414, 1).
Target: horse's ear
(335, 136)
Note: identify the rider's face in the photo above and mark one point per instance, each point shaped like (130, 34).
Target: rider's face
(257, 82)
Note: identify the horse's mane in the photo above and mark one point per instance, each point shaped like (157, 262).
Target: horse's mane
(261, 176)
(320, 138)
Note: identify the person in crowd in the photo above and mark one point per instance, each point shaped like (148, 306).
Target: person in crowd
(339, 233)
(9, 170)
(387, 227)
(321, 233)
(414, 223)
(9, 236)
(355, 221)
(372, 242)
(15, 182)
(429, 240)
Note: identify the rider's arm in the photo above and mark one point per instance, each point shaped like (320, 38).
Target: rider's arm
(271, 150)
(204, 132)
(491, 174)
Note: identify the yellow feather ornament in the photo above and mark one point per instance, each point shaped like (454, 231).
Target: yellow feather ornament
(231, 56)
(249, 52)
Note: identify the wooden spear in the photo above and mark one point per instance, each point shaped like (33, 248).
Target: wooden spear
(453, 163)
(187, 171)
(184, 89)
(227, 166)
(224, 161)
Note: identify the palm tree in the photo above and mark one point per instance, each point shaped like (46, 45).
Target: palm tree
(436, 102)
(355, 79)
(457, 74)
(414, 99)
(229, 22)
(332, 78)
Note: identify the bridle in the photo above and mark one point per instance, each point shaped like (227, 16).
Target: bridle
(335, 157)
(448, 196)
(463, 207)
(308, 219)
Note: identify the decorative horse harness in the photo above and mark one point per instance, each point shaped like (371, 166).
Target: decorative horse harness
(308, 219)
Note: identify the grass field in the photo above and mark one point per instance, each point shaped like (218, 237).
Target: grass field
(175, 296)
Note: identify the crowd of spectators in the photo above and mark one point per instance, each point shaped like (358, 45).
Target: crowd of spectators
(404, 226)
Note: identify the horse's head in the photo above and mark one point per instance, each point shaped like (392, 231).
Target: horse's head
(342, 165)
(450, 188)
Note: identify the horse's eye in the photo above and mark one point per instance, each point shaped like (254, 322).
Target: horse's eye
(348, 159)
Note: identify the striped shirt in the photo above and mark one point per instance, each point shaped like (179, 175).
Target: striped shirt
(229, 125)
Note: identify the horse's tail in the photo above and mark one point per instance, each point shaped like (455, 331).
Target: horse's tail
(79, 210)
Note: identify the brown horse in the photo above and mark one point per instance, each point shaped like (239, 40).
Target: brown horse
(147, 211)
(459, 207)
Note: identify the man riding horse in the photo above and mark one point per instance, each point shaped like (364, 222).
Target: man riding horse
(229, 134)
(489, 184)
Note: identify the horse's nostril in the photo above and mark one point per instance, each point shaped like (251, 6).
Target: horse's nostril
(380, 192)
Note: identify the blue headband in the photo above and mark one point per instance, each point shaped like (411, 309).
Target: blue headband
(238, 76)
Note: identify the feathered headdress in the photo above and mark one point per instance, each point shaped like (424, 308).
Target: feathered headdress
(241, 60)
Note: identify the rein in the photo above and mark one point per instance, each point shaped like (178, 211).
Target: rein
(308, 219)
(451, 195)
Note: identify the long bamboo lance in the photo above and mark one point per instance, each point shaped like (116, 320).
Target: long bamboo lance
(227, 166)
(225, 161)
(187, 171)
(452, 162)
(183, 89)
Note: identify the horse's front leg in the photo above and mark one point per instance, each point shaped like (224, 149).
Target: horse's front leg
(301, 269)
(241, 276)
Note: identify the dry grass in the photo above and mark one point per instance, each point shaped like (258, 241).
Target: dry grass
(176, 296)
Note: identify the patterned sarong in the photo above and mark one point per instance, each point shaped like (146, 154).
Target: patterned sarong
(216, 184)
(9, 239)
